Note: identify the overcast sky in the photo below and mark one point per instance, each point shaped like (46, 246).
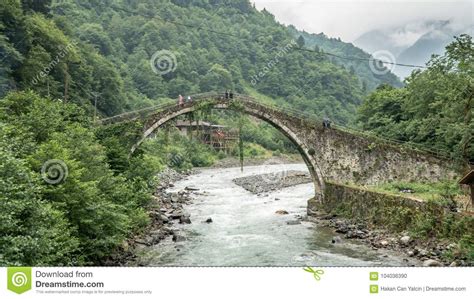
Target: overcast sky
(348, 19)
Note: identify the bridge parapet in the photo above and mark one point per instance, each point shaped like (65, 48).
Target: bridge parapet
(338, 154)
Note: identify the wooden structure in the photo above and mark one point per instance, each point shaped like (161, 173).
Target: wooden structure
(217, 136)
(468, 180)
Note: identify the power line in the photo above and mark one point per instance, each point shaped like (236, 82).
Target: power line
(355, 58)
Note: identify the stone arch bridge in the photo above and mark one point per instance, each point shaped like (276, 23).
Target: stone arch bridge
(336, 154)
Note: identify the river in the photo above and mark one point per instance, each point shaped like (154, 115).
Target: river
(246, 231)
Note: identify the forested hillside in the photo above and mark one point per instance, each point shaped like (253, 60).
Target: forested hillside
(84, 51)
(435, 108)
(321, 43)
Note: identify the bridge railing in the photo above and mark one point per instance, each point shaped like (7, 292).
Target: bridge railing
(150, 110)
(302, 115)
(318, 121)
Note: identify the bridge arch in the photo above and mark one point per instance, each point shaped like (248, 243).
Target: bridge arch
(248, 106)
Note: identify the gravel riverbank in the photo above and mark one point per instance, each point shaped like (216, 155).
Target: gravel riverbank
(272, 181)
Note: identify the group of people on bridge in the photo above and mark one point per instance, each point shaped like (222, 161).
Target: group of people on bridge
(230, 95)
(181, 100)
(326, 123)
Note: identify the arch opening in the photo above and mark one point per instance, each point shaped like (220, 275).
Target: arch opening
(255, 111)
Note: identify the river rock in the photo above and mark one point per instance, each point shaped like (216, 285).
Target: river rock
(184, 220)
(281, 212)
(154, 215)
(422, 252)
(177, 214)
(342, 229)
(142, 242)
(384, 243)
(405, 240)
(356, 234)
(208, 220)
(454, 264)
(178, 237)
(155, 237)
(431, 263)
(293, 222)
(336, 240)
(451, 246)
(189, 188)
(164, 219)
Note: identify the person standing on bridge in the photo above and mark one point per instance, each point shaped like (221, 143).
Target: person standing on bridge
(231, 95)
(226, 94)
(180, 101)
(326, 123)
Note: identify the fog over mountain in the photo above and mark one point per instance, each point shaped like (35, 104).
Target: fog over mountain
(410, 30)
(412, 43)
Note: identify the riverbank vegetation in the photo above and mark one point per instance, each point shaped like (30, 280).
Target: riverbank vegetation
(442, 192)
(61, 203)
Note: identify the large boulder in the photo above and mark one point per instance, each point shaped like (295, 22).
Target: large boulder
(431, 263)
(185, 220)
(405, 240)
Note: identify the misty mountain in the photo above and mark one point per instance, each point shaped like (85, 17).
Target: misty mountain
(412, 43)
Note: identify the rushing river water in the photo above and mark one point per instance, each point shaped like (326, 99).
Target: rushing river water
(246, 231)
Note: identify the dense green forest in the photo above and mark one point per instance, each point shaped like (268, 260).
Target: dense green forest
(369, 80)
(436, 106)
(105, 49)
(61, 58)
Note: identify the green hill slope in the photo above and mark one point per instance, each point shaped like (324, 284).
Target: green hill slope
(103, 51)
(361, 68)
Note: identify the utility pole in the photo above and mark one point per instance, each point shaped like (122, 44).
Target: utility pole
(95, 95)
(66, 81)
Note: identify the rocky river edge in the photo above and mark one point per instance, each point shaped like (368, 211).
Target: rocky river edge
(165, 210)
(431, 253)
